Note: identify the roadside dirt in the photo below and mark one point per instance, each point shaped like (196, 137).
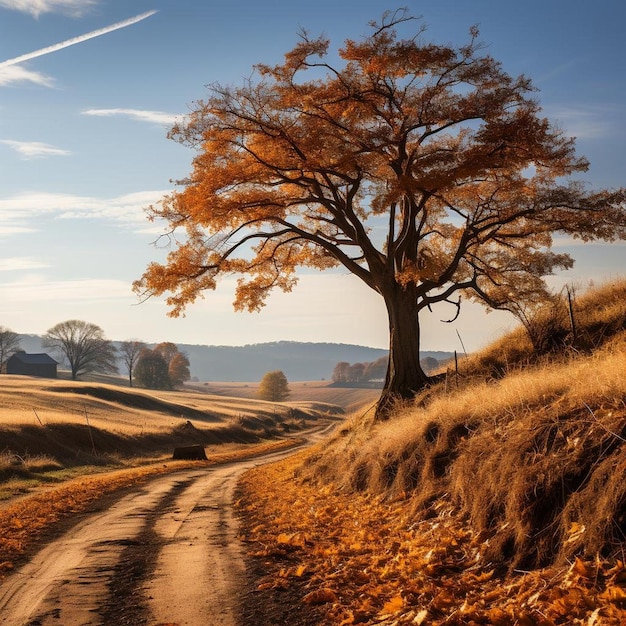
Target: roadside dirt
(165, 553)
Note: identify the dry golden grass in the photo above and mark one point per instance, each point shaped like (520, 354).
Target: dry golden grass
(496, 498)
(365, 559)
(599, 314)
(526, 458)
(318, 392)
(97, 423)
(25, 400)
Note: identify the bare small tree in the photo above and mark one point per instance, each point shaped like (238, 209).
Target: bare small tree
(130, 351)
(9, 343)
(84, 347)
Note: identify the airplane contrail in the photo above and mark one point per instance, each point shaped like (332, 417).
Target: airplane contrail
(75, 40)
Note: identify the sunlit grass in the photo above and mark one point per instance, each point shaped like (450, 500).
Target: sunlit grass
(42, 402)
(498, 497)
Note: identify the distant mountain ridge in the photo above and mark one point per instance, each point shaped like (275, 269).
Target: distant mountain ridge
(298, 360)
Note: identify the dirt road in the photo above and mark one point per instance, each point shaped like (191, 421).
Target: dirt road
(166, 553)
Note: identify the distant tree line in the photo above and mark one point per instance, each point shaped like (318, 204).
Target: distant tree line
(85, 349)
(163, 367)
(346, 373)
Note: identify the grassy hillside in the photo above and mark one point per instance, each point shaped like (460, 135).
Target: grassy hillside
(53, 429)
(498, 497)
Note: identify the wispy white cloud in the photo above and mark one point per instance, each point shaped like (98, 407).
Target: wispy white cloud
(75, 40)
(75, 8)
(14, 74)
(550, 73)
(23, 211)
(34, 149)
(8, 230)
(14, 264)
(35, 288)
(582, 122)
(156, 117)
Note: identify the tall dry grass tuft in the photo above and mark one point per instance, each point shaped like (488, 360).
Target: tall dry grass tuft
(533, 457)
(533, 473)
(569, 325)
(13, 464)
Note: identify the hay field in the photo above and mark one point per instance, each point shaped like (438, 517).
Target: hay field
(318, 391)
(44, 402)
(48, 423)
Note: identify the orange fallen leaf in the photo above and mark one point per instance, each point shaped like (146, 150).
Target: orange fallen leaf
(320, 596)
(264, 586)
(615, 594)
(498, 617)
(581, 568)
(394, 605)
(483, 577)
(443, 600)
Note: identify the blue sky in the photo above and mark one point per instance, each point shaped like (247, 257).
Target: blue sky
(83, 149)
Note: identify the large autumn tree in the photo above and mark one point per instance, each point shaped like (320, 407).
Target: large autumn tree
(425, 170)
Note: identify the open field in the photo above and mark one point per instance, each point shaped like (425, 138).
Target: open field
(25, 400)
(118, 413)
(54, 430)
(348, 398)
(65, 445)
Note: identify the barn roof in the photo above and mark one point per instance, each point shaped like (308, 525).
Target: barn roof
(35, 359)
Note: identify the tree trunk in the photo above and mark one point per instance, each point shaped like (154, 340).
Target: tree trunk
(405, 376)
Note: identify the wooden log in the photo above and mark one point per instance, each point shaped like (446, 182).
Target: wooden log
(190, 453)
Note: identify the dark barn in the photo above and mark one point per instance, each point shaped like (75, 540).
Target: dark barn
(24, 364)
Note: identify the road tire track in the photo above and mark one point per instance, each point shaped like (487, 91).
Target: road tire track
(165, 552)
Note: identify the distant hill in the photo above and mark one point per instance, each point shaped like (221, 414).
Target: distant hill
(298, 360)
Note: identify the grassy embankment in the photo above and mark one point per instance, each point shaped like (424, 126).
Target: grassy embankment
(65, 444)
(498, 497)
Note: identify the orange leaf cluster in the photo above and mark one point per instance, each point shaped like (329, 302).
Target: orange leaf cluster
(356, 559)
